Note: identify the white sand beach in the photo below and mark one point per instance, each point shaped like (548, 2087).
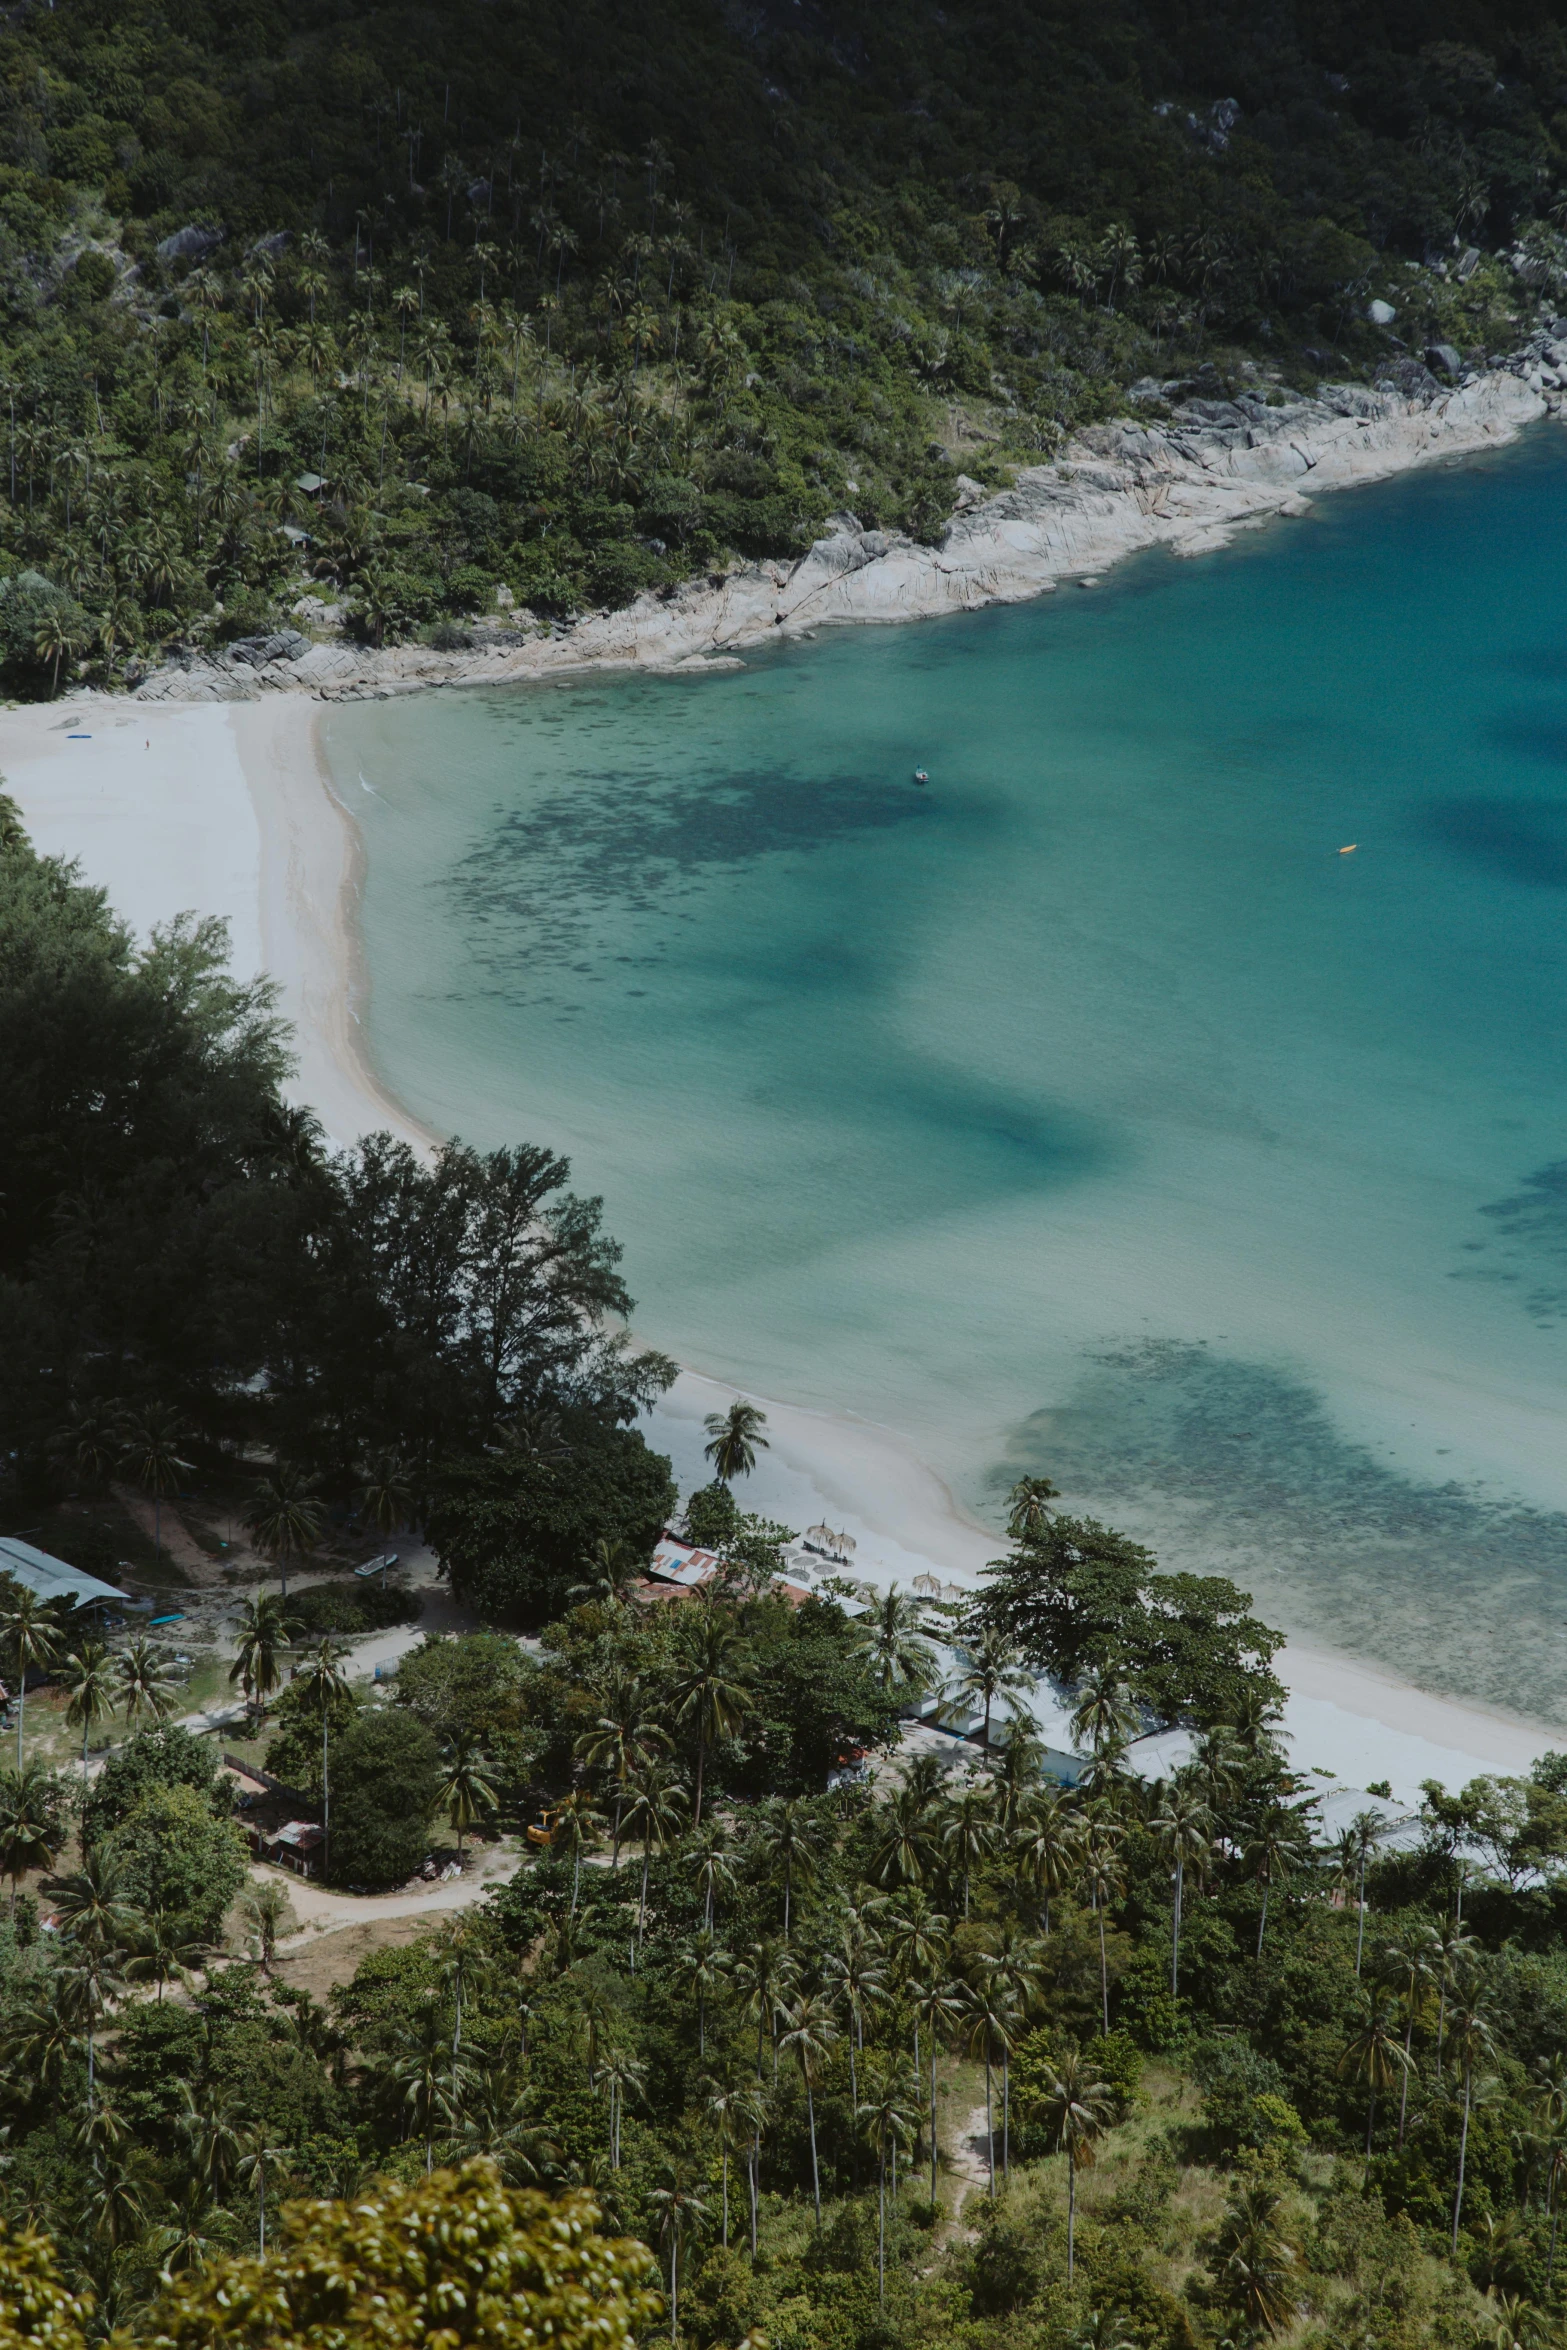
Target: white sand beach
(227, 811)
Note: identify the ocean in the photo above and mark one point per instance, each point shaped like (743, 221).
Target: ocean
(1168, 1096)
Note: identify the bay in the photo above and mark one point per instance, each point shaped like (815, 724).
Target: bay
(1089, 1109)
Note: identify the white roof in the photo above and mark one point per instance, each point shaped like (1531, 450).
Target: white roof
(50, 1577)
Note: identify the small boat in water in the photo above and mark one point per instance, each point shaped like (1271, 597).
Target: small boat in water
(920, 775)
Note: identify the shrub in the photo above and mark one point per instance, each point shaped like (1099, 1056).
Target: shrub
(180, 1859)
(354, 1607)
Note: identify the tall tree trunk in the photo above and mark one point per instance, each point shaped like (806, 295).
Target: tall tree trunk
(1175, 1939)
(1463, 2149)
(1071, 2215)
(1104, 1973)
(1263, 1923)
(990, 2132)
(816, 2176)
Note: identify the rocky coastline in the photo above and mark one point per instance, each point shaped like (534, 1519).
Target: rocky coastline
(1185, 475)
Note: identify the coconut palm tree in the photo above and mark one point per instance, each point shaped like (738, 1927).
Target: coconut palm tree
(706, 1965)
(857, 1983)
(574, 1831)
(1012, 1966)
(386, 1492)
(152, 1455)
(1104, 1881)
(678, 2214)
(1256, 2262)
(467, 1790)
(612, 1572)
(1278, 1845)
(266, 1627)
(264, 1905)
(990, 2027)
(713, 1860)
(145, 1681)
(1183, 1825)
(92, 1679)
(1105, 1714)
(968, 1835)
(163, 1951)
(1047, 1851)
(708, 1688)
(1375, 2055)
(32, 1829)
(990, 1676)
(35, 1640)
(623, 1738)
(1075, 2108)
(810, 2039)
(734, 1439)
(1470, 2025)
(323, 1687)
(897, 1650)
(256, 2159)
(940, 2003)
(284, 1516)
(654, 1815)
(1028, 1508)
(889, 2118)
(765, 1977)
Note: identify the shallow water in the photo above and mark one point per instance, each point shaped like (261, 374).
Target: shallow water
(1088, 1109)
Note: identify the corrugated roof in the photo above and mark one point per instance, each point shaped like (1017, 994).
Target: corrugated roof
(50, 1577)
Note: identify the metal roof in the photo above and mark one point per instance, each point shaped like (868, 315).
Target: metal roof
(50, 1577)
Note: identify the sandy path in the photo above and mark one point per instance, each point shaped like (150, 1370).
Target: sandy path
(324, 1912)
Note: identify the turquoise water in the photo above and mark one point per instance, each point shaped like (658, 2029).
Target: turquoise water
(1087, 1110)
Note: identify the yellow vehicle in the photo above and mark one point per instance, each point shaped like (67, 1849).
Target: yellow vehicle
(542, 1830)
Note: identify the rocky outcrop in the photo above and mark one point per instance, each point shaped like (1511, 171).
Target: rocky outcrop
(1187, 482)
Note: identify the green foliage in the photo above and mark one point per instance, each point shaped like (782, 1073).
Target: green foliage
(154, 1762)
(514, 1526)
(353, 1607)
(384, 1779)
(480, 1689)
(180, 1859)
(1079, 1598)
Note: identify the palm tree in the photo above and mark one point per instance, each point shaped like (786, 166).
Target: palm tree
(1471, 2029)
(466, 1790)
(1409, 1961)
(708, 1689)
(1012, 1966)
(1047, 1850)
(678, 2213)
(1364, 1829)
(145, 1682)
(91, 1677)
(31, 1828)
(858, 1983)
(1375, 2055)
(213, 2141)
(730, 2110)
(1183, 1826)
(285, 1516)
(265, 1627)
(794, 1836)
(386, 1492)
(256, 2158)
(89, 1443)
(811, 2036)
(150, 1452)
(265, 1904)
(434, 2083)
(323, 1686)
(573, 1830)
(706, 1964)
(715, 1868)
(91, 1976)
(622, 2072)
(939, 2006)
(1105, 1881)
(893, 1636)
(1256, 2261)
(1028, 1508)
(33, 1637)
(765, 1976)
(990, 2027)
(906, 1841)
(56, 635)
(654, 1814)
(612, 1572)
(734, 1439)
(887, 2122)
(1106, 1711)
(1278, 1845)
(992, 1677)
(163, 1951)
(624, 1737)
(1075, 2107)
(968, 1836)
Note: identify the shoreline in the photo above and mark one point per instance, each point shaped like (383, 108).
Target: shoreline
(204, 801)
(1186, 483)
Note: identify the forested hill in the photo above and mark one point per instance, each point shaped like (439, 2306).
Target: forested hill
(571, 298)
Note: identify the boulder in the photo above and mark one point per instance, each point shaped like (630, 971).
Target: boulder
(1443, 359)
(285, 644)
(190, 244)
(1381, 313)
(271, 248)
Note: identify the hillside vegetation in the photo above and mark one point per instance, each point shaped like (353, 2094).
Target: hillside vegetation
(362, 314)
